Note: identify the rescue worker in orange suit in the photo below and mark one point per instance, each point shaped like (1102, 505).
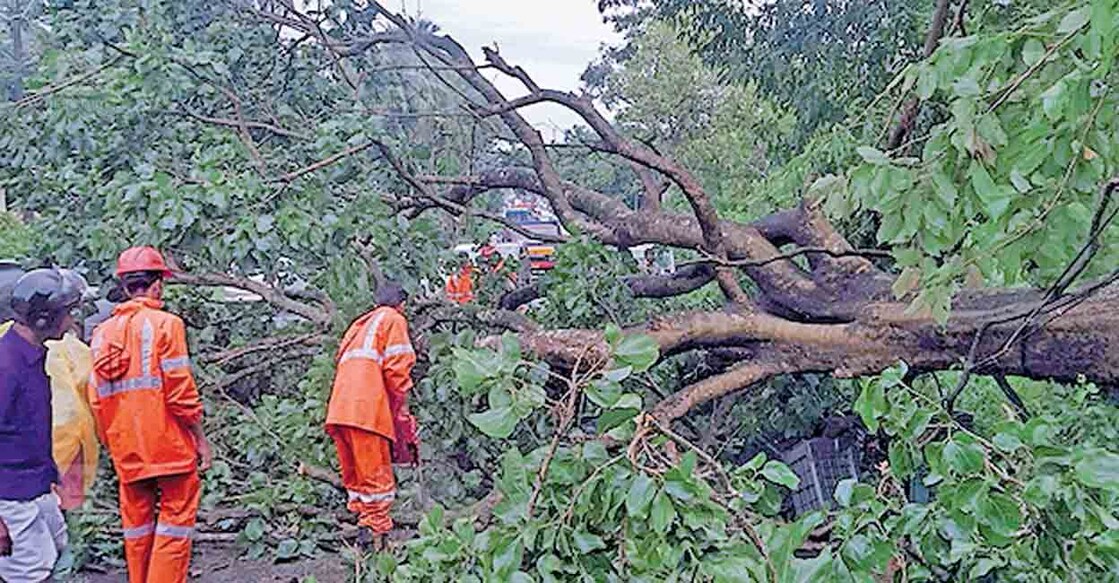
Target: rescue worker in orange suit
(460, 286)
(496, 263)
(149, 416)
(368, 415)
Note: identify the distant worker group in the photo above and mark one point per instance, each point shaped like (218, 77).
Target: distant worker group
(139, 393)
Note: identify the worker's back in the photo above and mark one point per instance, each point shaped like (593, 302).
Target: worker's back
(142, 393)
(375, 357)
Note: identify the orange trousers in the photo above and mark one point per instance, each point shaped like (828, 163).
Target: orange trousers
(366, 460)
(158, 549)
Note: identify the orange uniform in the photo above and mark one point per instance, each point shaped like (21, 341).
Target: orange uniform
(374, 367)
(460, 286)
(143, 398)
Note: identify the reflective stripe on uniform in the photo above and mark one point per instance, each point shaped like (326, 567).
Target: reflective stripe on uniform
(147, 336)
(365, 497)
(375, 356)
(366, 352)
(174, 531)
(361, 353)
(138, 531)
(398, 349)
(144, 383)
(171, 364)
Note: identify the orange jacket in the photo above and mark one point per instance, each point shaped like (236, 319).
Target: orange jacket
(374, 372)
(460, 286)
(142, 393)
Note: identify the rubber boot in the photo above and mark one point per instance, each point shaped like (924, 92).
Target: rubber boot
(365, 538)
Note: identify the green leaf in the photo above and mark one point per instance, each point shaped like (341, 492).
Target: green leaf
(756, 462)
(965, 87)
(873, 155)
(688, 463)
(983, 566)
(615, 417)
(1001, 513)
(1032, 51)
(613, 334)
(663, 513)
(871, 404)
(963, 455)
(926, 82)
(907, 282)
(254, 530)
(1007, 442)
(510, 348)
(595, 452)
(498, 423)
(628, 401)
(1098, 469)
(641, 492)
(528, 399)
(1020, 182)
(1053, 101)
(779, 473)
(995, 200)
(1074, 20)
(679, 489)
(603, 393)
(287, 549)
(587, 542)
(1039, 491)
(945, 188)
(618, 375)
(637, 351)
(507, 556)
(548, 564)
(470, 369)
(844, 490)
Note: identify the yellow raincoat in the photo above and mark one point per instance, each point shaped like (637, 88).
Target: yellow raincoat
(73, 433)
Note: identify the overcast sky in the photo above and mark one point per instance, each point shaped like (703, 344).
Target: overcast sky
(553, 40)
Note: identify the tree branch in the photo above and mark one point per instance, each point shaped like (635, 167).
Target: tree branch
(221, 121)
(268, 344)
(328, 161)
(36, 97)
(909, 112)
(320, 317)
(685, 280)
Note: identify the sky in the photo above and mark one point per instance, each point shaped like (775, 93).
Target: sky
(553, 40)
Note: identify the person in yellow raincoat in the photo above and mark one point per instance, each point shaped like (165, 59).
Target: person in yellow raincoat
(74, 437)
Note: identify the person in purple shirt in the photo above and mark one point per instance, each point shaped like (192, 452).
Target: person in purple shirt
(32, 530)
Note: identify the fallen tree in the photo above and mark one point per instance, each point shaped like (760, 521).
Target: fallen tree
(837, 312)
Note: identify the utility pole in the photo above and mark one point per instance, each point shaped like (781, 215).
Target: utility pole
(17, 17)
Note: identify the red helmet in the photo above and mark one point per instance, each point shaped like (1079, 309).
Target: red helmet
(138, 259)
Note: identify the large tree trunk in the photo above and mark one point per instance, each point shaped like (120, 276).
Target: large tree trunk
(1075, 337)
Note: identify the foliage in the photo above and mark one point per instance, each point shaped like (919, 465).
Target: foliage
(586, 287)
(1030, 499)
(667, 96)
(16, 239)
(821, 58)
(1005, 186)
(574, 509)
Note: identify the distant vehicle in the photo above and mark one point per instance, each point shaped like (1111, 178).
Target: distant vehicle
(541, 256)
